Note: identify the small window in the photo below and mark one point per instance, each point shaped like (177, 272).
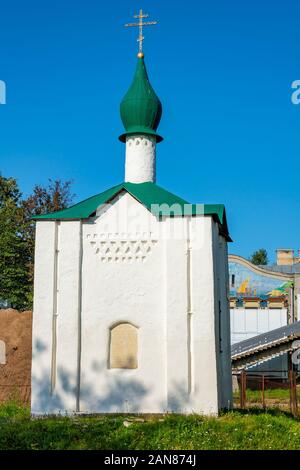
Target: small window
(232, 280)
(2, 352)
(123, 348)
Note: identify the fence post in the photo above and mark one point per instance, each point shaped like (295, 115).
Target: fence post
(263, 391)
(293, 392)
(243, 389)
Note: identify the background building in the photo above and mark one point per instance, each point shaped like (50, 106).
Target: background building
(263, 298)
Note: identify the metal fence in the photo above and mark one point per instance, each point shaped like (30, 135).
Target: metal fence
(265, 389)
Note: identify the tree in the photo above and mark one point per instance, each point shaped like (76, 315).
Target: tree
(9, 191)
(44, 199)
(17, 234)
(14, 252)
(51, 198)
(259, 257)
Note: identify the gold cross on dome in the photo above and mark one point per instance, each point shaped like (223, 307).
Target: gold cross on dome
(140, 25)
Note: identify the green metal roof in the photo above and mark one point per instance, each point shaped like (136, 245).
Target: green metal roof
(156, 199)
(140, 108)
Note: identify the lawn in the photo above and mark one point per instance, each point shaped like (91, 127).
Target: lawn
(253, 429)
(254, 396)
(277, 397)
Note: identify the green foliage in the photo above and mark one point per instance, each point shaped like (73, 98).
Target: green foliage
(233, 430)
(51, 198)
(17, 232)
(9, 191)
(13, 409)
(278, 396)
(44, 199)
(259, 257)
(14, 253)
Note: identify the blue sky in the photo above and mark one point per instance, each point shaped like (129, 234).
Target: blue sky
(223, 71)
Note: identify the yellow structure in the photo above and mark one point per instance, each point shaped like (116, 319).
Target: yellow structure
(243, 287)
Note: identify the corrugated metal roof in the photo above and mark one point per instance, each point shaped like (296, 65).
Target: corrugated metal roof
(156, 199)
(264, 339)
(286, 269)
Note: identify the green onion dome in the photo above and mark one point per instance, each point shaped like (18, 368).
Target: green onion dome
(140, 108)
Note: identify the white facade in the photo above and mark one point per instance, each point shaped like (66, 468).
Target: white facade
(249, 322)
(248, 281)
(167, 277)
(140, 159)
(253, 292)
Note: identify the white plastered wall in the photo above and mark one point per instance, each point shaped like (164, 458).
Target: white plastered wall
(222, 319)
(117, 290)
(45, 245)
(207, 381)
(170, 299)
(55, 318)
(140, 160)
(249, 322)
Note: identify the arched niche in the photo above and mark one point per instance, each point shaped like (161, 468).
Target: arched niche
(123, 346)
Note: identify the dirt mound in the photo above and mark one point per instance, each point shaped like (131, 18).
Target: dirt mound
(15, 375)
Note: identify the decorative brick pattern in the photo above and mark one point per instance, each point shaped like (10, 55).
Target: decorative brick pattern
(112, 249)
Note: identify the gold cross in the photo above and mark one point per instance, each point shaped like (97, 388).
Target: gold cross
(140, 24)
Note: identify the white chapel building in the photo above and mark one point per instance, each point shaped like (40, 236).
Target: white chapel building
(131, 310)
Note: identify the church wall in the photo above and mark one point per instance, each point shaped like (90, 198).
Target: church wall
(204, 395)
(123, 290)
(227, 369)
(55, 325)
(223, 345)
(67, 319)
(44, 286)
(160, 276)
(178, 329)
(218, 309)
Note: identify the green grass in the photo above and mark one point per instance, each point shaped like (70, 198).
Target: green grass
(276, 396)
(233, 430)
(272, 394)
